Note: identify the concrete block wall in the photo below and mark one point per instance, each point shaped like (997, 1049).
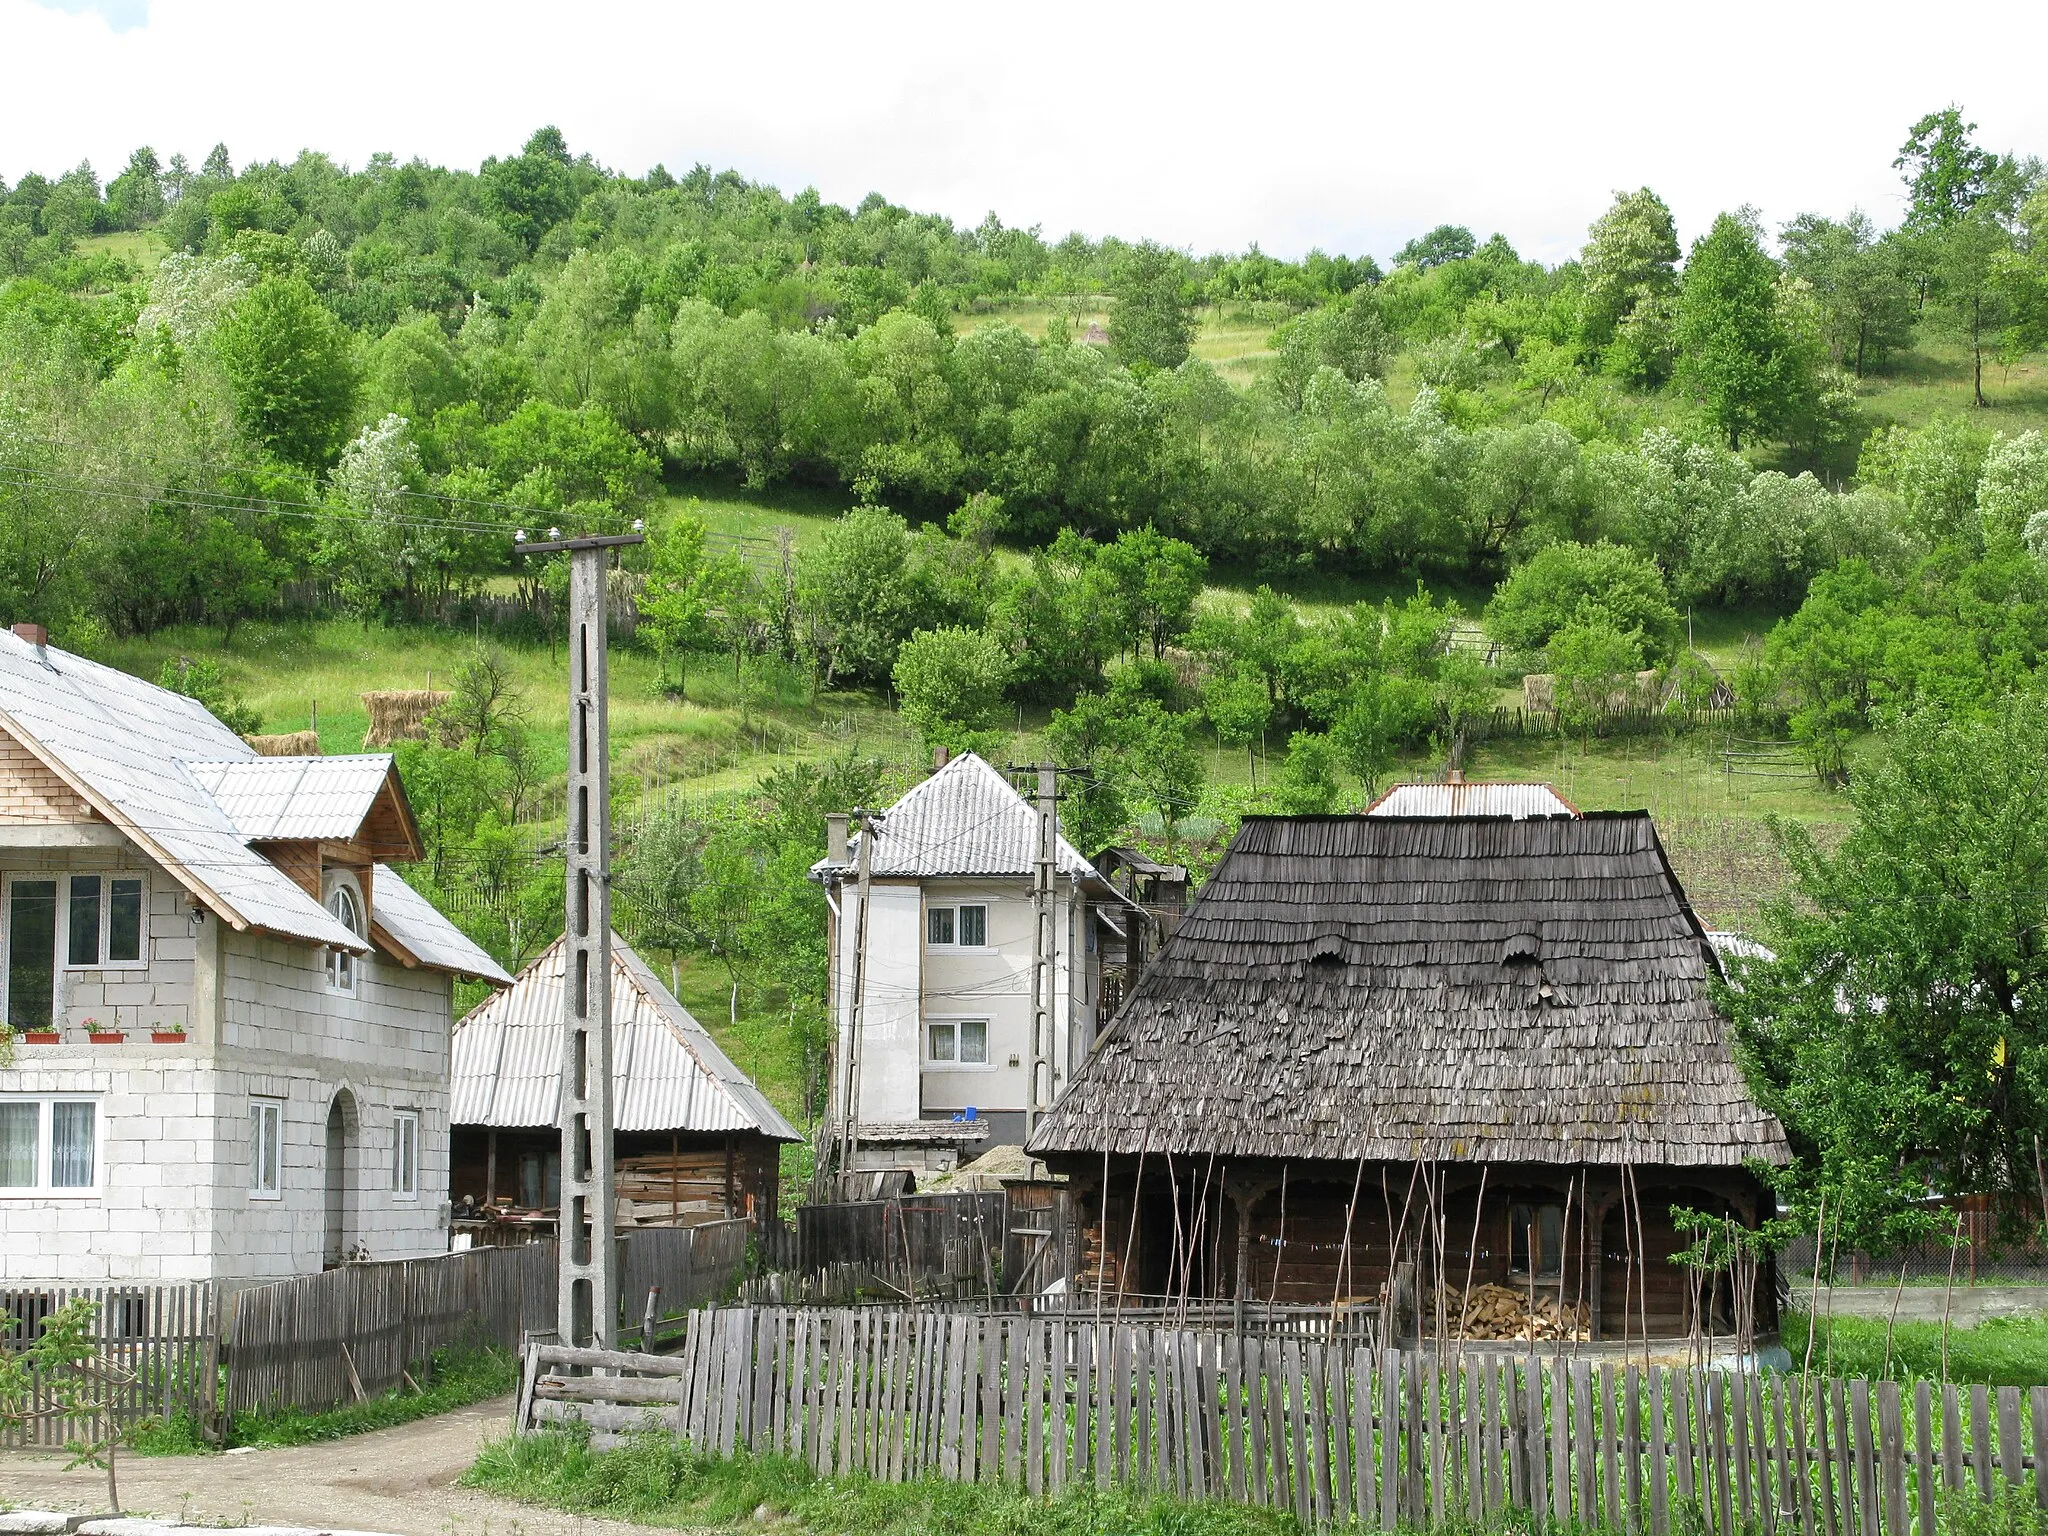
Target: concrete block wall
(173, 1200)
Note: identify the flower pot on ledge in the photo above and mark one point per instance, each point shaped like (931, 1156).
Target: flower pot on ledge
(106, 1037)
(167, 1037)
(40, 1036)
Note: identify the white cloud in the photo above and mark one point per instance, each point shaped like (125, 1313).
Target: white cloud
(1346, 126)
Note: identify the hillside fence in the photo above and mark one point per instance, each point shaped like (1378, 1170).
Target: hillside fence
(1333, 1433)
(163, 1340)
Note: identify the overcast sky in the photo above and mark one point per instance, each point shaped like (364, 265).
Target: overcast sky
(1345, 126)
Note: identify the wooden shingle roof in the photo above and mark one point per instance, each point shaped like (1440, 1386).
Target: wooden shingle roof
(1399, 988)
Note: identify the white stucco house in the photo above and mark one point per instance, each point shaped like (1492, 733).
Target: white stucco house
(946, 994)
(229, 1018)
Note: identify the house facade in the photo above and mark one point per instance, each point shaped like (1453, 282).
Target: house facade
(228, 1016)
(944, 1007)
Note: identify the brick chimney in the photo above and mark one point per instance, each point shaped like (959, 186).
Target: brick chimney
(34, 634)
(940, 757)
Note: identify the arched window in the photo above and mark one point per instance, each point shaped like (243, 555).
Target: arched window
(347, 907)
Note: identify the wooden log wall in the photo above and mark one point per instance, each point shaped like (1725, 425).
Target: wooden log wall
(1333, 1433)
(162, 1340)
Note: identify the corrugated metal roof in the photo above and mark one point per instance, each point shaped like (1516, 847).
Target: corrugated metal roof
(272, 799)
(126, 742)
(668, 1074)
(1472, 799)
(963, 820)
(435, 942)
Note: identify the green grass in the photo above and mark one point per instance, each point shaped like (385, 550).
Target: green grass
(453, 1378)
(657, 1480)
(144, 247)
(2000, 1352)
(1934, 378)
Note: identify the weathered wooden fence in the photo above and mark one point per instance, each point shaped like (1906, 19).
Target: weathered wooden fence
(159, 1341)
(683, 1267)
(949, 1243)
(1334, 1433)
(350, 1333)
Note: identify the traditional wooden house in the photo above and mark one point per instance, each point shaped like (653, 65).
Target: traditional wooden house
(693, 1139)
(1470, 1050)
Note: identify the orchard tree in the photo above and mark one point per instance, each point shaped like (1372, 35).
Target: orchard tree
(1154, 581)
(292, 368)
(1631, 276)
(1901, 1032)
(951, 682)
(675, 606)
(1565, 583)
(1151, 314)
(1737, 359)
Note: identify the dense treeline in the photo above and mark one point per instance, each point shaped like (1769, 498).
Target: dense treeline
(547, 333)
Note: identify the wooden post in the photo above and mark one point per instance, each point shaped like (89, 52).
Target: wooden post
(491, 1166)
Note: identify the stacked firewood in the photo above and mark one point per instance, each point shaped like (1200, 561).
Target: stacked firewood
(1496, 1312)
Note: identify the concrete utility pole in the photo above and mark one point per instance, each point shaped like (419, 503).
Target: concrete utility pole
(1045, 944)
(588, 1309)
(848, 1139)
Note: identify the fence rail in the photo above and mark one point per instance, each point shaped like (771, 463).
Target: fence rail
(1331, 1432)
(161, 1339)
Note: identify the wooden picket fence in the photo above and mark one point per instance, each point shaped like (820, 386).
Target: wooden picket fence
(159, 1343)
(351, 1333)
(1334, 1433)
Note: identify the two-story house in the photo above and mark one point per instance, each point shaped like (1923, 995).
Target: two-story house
(228, 1018)
(945, 999)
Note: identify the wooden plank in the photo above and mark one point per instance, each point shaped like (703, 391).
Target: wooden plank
(1125, 1347)
(1144, 1459)
(989, 1465)
(2012, 1456)
(1660, 1472)
(1738, 1389)
(1866, 1458)
(1081, 1463)
(1560, 1444)
(1923, 1454)
(1492, 1426)
(1209, 1412)
(1053, 1349)
(1951, 1439)
(1980, 1438)
(1337, 1383)
(1034, 1407)
(1717, 1428)
(1317, 1404)
(1762, 1452)
(1781, 1443)
(1891, 1448)
(1471, 1379)
(2039, 1403)
(1390, 1440)
(1257, 1477)
(1013, 1402)
(1799, 1408)
(1632, 1428)
(1585, 1461)
(1365, 1507)
(1297, 1432)
(1282, 1468)
(1233, 1415)
(1845, 1458)
(1610, 1506)
(1539, 1460)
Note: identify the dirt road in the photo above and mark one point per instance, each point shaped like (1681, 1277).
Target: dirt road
(397, 1480)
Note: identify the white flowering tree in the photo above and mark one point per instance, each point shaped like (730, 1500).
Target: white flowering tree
(369, 548)
(189, 295)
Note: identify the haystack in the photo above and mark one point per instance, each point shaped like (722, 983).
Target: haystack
(290, 744)
(1539, 693)
(399, 715)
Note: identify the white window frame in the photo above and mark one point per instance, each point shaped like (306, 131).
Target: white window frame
(42, 1188)
(954, 945)
(106, 878)
(266, 1135)
(405, 1155)
(58, 942)
(345, 970)
(954, 1022)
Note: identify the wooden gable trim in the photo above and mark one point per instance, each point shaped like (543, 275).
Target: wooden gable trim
(381, 937)
(207, 895)
(389, 831)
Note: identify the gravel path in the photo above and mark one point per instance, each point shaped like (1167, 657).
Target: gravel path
(397, 1480)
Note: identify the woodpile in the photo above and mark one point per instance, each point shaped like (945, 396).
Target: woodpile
(290, 744)
(399, 715)
(1496, 1312)
(659, 1187)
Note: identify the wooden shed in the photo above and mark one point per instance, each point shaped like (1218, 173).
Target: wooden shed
(693, 1138)
(1441, 1051)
